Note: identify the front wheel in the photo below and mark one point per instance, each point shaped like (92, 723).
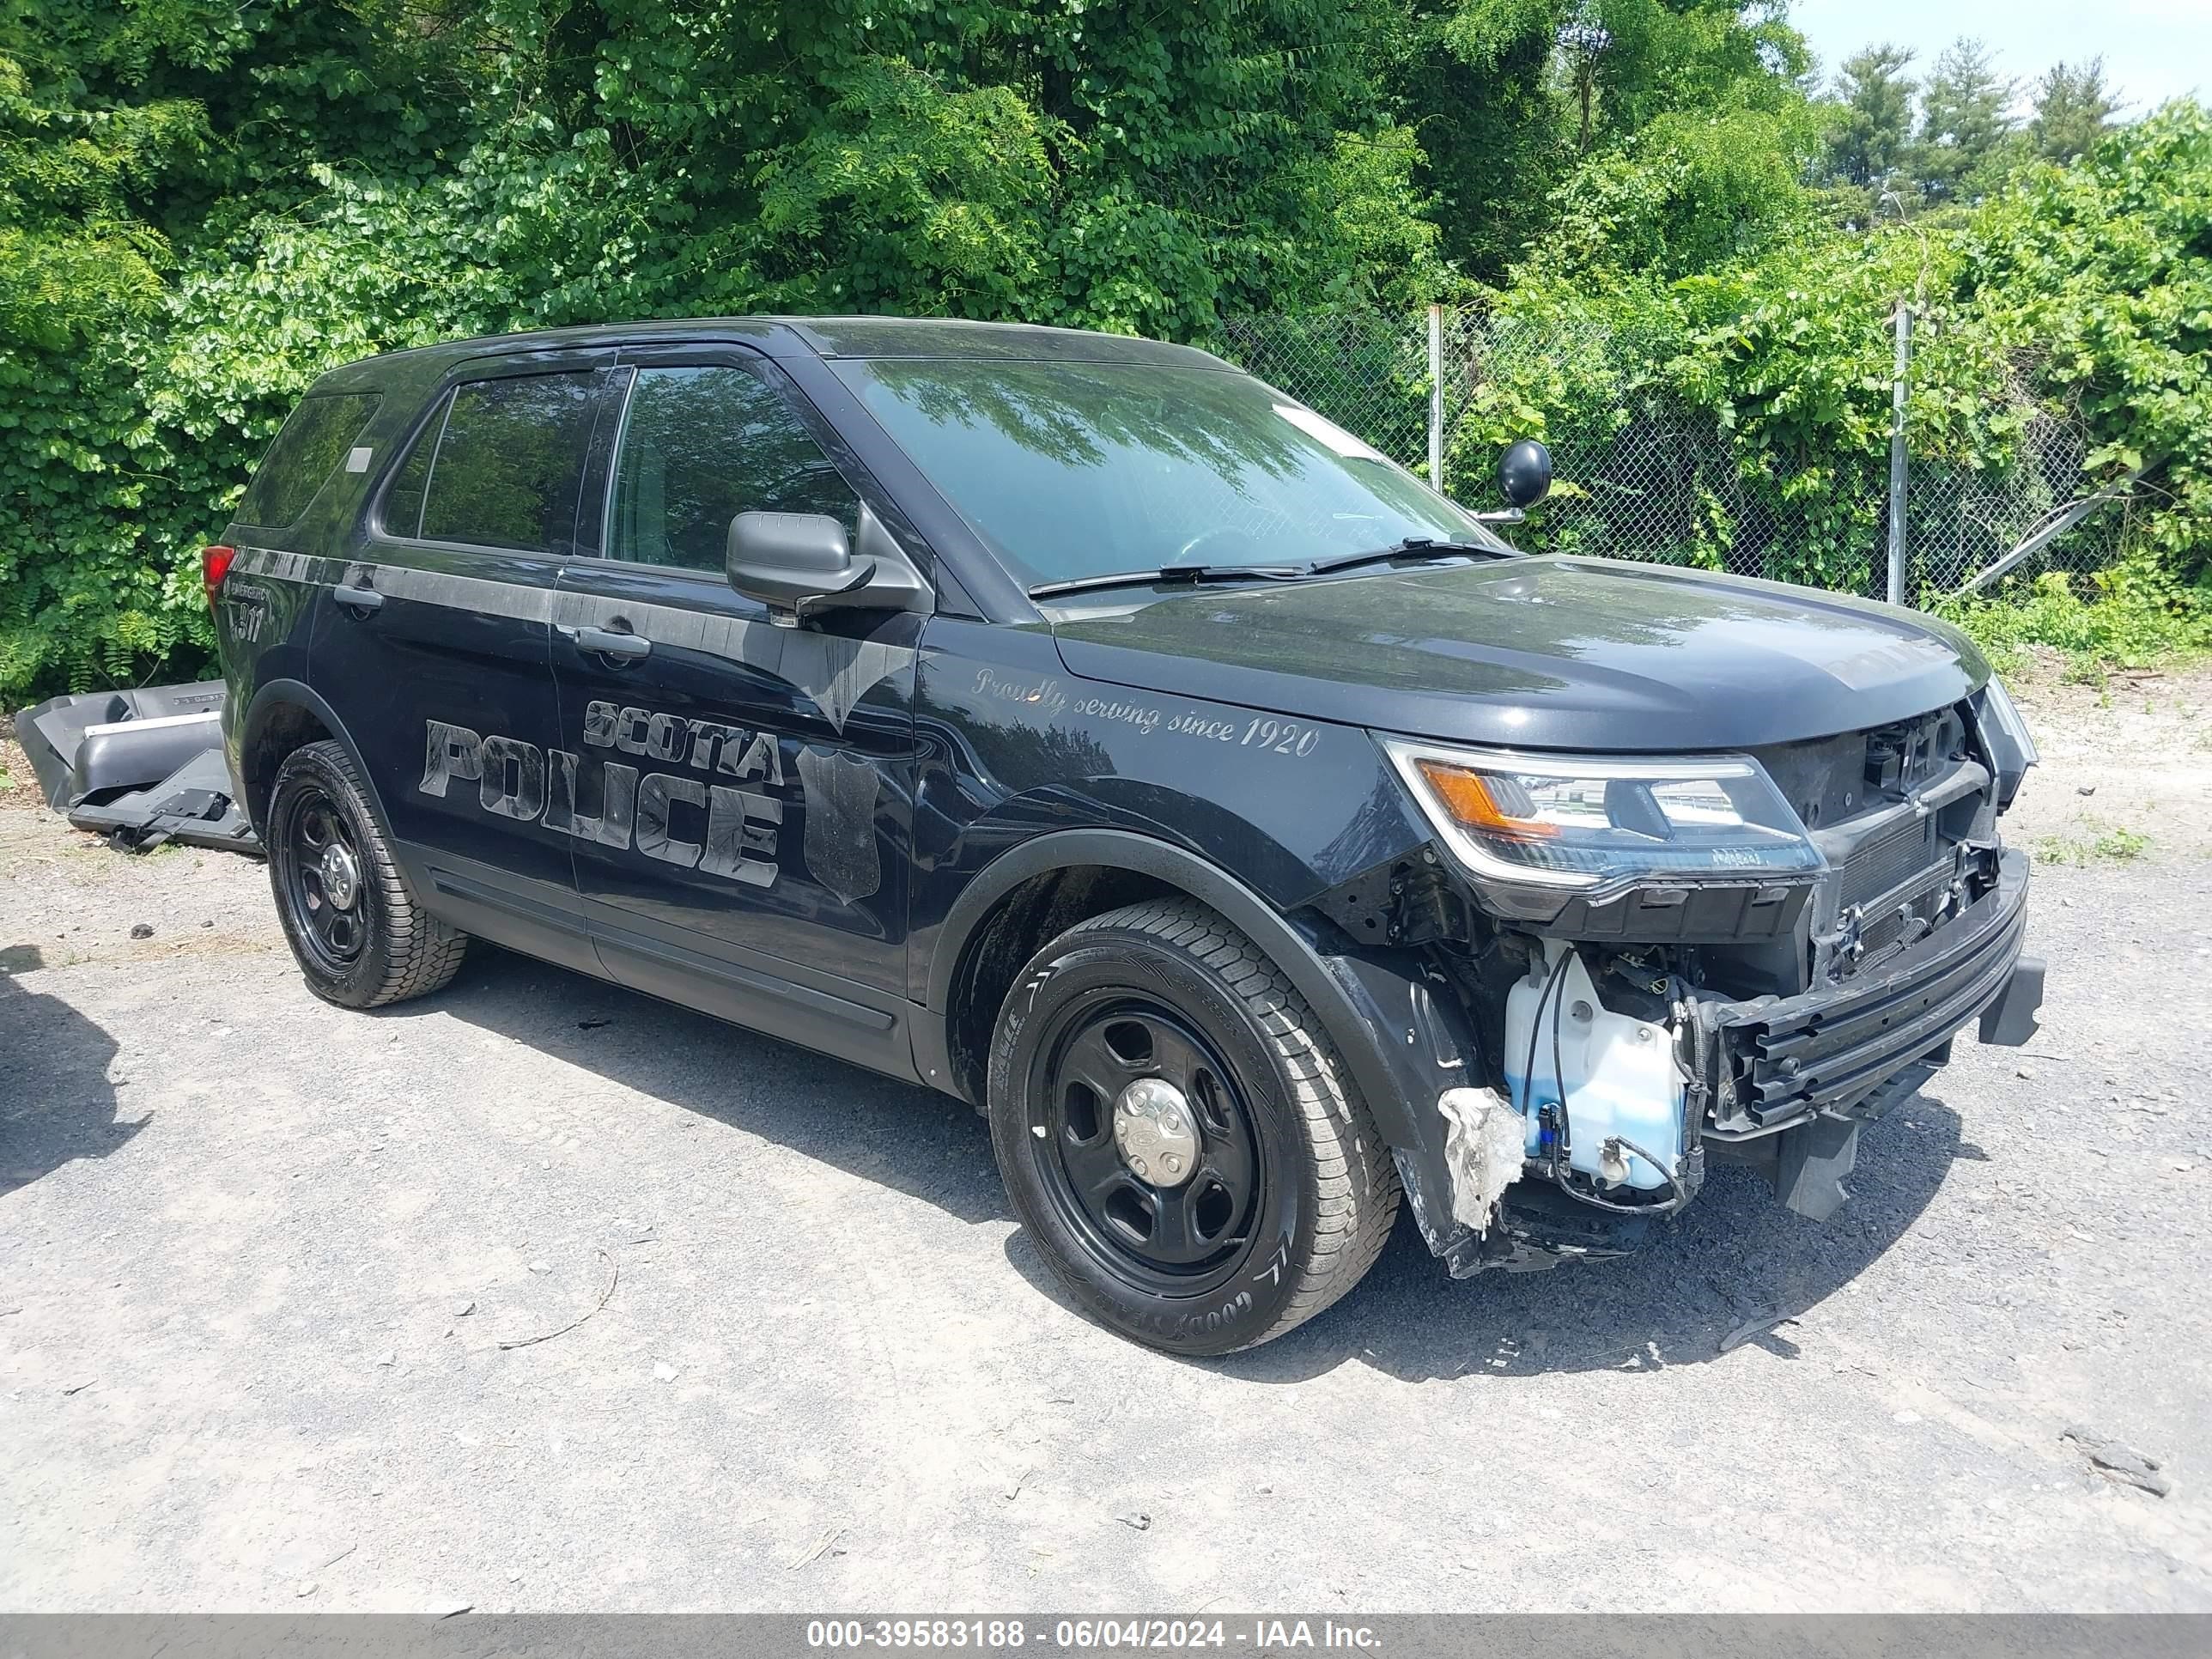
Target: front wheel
(1177, 1136)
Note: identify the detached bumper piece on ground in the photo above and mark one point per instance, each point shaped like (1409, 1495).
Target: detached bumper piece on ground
(141, 766)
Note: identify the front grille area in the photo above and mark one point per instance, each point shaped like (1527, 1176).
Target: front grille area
(1891, 808)
(1832, 780)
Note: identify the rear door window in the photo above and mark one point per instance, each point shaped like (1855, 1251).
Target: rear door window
(700, 444)
(306, 451)
(504, 466)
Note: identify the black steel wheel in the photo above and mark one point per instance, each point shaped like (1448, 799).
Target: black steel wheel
(1178, 1138)
(361, 937)
(324, 888)
(1150, 1148)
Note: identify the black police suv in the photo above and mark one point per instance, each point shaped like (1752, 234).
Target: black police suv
(1079, 726)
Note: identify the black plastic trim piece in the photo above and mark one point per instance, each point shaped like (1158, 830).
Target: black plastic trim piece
(749, 980)
(276, 693)
(1116, 849)
(530, 916)
(2010, 1020)
(499, 898)
(1686, 912)
(1825, 1049)
(569, 933)
(761, 1000)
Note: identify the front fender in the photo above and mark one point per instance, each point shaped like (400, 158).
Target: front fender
(1026, 770)
(1011, 747)
(1402, 1041)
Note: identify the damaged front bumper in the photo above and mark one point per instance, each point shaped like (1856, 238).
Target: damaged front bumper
(1770, 1062)
(1788, 1081)
(1779, 1083)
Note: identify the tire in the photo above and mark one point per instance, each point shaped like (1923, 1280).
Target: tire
(358, 933)
(1266, 1193)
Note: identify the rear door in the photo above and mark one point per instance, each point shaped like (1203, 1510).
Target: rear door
(433, 643)
(264, 607)
(746, 789)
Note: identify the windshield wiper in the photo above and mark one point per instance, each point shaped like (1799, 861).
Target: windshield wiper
(1168, 574)
(1413, 547)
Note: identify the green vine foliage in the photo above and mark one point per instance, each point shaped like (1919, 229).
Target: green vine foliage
(2084, 291)
(206, 204)
(2106, 268)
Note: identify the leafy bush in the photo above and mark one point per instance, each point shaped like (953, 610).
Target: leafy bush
(2137, 613)
(2085, 292)
(2107, 268)
(204, 204)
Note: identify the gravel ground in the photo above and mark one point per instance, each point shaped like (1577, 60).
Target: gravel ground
(261, 1262)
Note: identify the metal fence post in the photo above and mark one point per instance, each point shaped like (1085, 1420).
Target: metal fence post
(1436, 398)
(1903, 323)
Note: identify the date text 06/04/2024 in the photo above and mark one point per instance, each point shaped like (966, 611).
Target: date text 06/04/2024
(1259, 1636)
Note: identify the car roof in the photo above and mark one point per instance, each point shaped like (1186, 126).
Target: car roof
(906, 337)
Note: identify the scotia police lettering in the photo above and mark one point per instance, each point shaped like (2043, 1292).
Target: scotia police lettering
(627, 806)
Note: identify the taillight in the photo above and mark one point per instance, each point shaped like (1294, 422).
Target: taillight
(214, 565)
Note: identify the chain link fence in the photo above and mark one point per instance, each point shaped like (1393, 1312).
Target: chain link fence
(1641, 476)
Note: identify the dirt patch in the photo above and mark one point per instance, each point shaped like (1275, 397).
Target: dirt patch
(2127, 765)
(26, 827)
(262, 1262)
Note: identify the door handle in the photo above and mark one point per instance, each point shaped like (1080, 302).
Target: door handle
(624, 647)
(363, 599)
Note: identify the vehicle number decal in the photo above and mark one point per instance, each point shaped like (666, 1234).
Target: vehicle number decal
(246, 607)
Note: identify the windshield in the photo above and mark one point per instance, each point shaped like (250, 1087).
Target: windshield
(1072, 470)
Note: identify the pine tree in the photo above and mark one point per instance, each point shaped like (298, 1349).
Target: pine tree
(1874, 132)
(1964, 122)
(2073, 108)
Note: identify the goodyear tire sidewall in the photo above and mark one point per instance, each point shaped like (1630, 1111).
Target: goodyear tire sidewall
(1246, 1306)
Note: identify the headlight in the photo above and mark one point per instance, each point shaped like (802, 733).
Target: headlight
(2004, 732)
(1585, 821)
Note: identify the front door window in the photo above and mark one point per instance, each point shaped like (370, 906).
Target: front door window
(700, 444)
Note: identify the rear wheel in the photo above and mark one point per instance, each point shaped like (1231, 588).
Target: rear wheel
(1177, 1136)
(357, 932)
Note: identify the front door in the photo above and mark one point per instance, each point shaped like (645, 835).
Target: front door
(742, 792)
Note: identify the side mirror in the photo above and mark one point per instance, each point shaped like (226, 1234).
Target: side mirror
(795, 562)
(1524, 472)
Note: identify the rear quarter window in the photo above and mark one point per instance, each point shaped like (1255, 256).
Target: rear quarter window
(306, 451)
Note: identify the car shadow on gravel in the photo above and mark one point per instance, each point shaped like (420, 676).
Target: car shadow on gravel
(57, 1102)
(912, 1139)
(1736, 1257)
(1735, 1261)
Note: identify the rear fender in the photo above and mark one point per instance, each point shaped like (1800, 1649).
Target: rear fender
(268, 707)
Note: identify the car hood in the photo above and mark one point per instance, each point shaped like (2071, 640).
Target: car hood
(1540, 653)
